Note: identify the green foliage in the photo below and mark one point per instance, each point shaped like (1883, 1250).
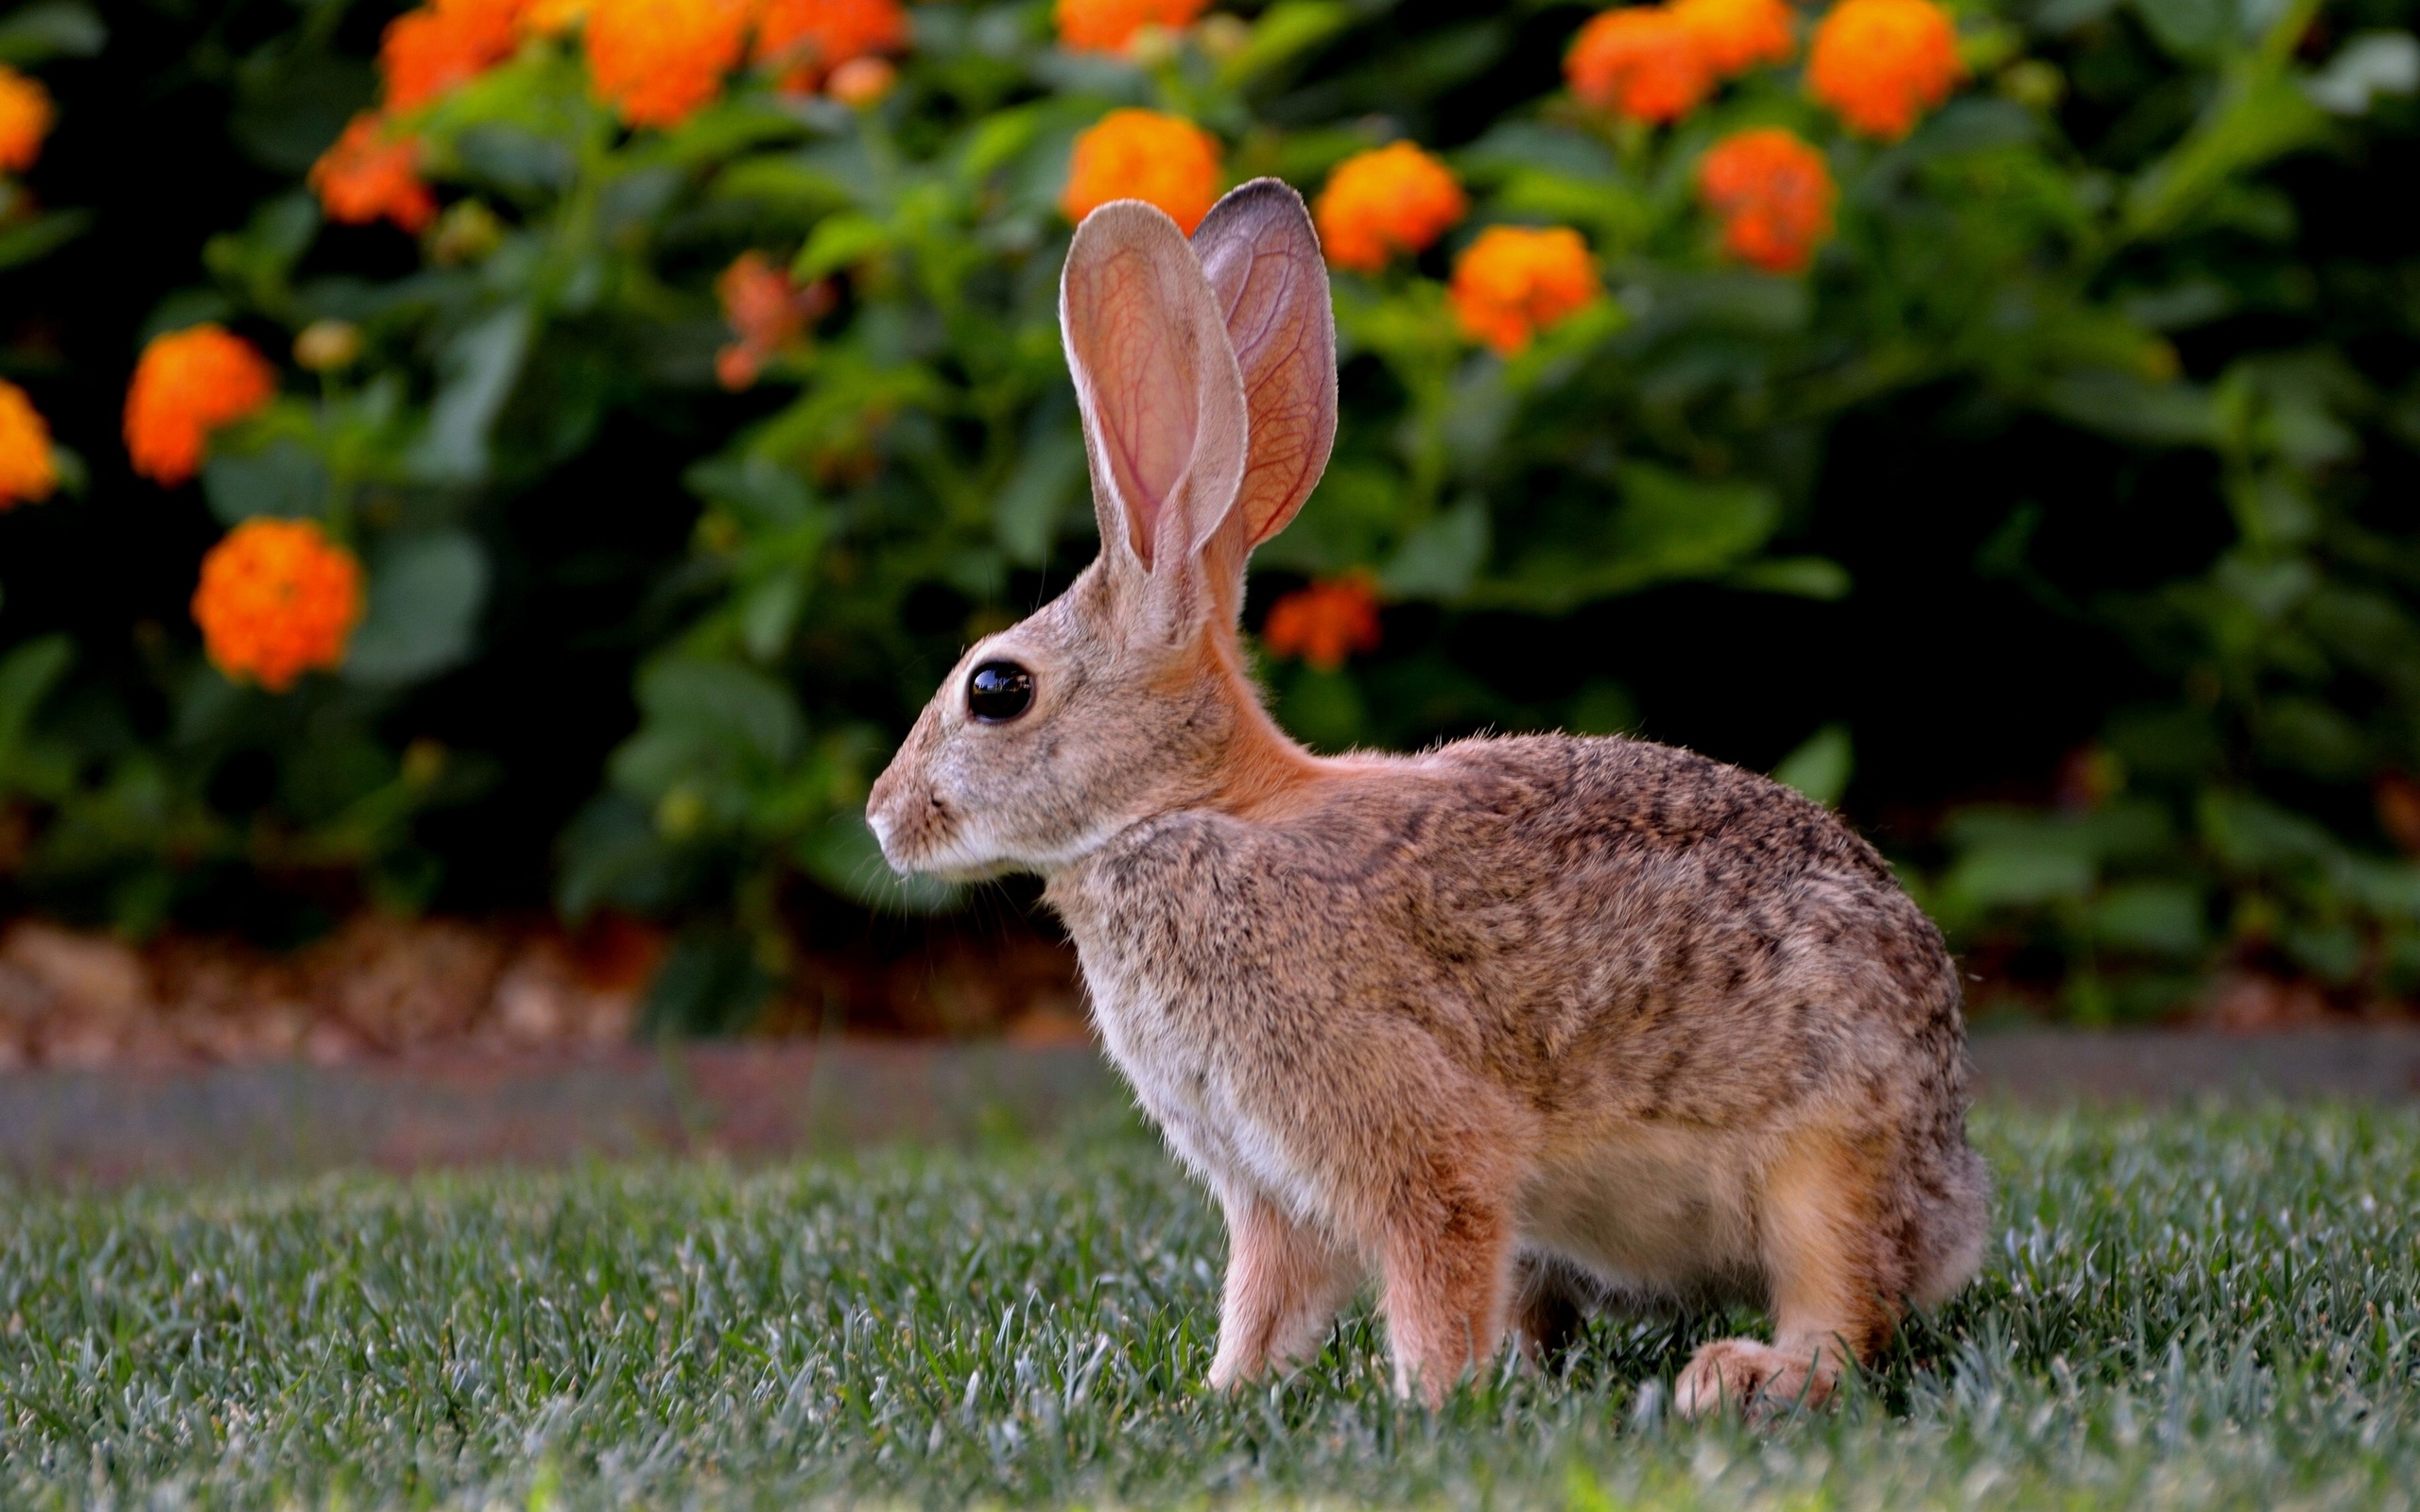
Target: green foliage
(2101, 238)
(2198, 1309)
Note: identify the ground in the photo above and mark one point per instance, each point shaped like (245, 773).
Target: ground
(2210, 1308)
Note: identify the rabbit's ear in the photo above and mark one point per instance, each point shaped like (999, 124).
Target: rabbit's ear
(1163, 402)
(1262, 258)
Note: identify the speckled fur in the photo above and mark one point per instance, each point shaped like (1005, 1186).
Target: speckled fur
(1521, 1025)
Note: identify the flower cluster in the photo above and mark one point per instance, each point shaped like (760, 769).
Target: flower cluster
(830, 43)
(186, 384)
(1514, 282)
(1376, 204)
(373, 174)
(277, 599)
(1324, 623)
(1879, 64)
(444, 44)
(1658, 62)
(25, 119)
(1773, 195)
(1883, 63)
(1734, 36)
(1135, 154)
(1111, 25)
(659, 62)
(29, 472)
(1638, 62)
(767, 313)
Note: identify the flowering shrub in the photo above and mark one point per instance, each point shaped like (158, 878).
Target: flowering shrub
(1612, 351)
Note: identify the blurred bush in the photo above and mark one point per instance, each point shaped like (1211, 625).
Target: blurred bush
(2010, 400)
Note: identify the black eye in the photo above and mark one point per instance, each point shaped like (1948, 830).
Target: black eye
(999, 691)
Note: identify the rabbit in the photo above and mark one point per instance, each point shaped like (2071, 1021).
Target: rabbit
(1523, 1025)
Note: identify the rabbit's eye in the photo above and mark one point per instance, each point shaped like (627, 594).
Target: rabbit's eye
(999, 691)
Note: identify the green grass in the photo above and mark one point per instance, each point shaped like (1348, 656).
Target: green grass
(2214, 1308)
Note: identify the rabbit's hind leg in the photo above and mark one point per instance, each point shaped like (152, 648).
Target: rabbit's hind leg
(1285, 1283)
(1833, 1286)
(1550, 1302)
(1446, 1265)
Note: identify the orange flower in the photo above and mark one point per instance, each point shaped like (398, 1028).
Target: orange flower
(277, 599)
(1883, 63)
(27, 471)
(443, 44)
(1324, 623)
(809, 39)
(658, 61)
(1143, 155)
(1514, 282)
(1109, 25)
(1640, 61)
(767, 313)
(25, 119)
(368, 175)
(1737, 35)
(552, 18)
(188, 384)
(1774, 193)
(1396, 199)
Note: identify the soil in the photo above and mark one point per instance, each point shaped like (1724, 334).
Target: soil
(383, 987)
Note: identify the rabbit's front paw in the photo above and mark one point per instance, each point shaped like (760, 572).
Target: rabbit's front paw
(1752, 1378)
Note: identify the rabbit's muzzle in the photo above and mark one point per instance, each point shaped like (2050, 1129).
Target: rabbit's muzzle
(910, 820)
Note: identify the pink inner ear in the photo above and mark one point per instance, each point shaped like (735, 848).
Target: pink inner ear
(1262, 259)
(1283, 384)
(1144, 375)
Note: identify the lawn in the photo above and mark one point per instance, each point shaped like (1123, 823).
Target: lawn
(2212, 1308)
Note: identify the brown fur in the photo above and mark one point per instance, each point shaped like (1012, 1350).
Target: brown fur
(1518, 1025)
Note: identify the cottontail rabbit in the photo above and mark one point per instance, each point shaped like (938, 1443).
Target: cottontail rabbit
(1524, 1025)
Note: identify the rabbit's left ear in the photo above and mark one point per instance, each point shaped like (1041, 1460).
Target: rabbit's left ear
(1262, 258)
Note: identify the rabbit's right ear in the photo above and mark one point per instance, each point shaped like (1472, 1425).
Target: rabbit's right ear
(1161, 399)
(1262, 256)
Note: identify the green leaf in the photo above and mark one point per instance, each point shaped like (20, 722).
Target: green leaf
(425, 592)
(1440, 558)
(2260, 116)
(2371, 64)
(1285, 30)
(1050, 476)
(476, 371)
(29, 240)
(1815, 578)
(719, 704)
(1820, 769)
(27, 673)
(2158, 918)
(838, 241)
(286, 479)
(1669, 527)
(2130, 408)
(2187, 28)
(2020, 873)
(58, 28)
